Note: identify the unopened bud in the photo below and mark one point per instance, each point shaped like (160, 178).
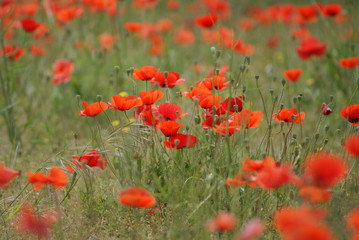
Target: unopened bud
(294, 136)
(317, 136)
(283, 82)
(331, 98)
(242, 68)
(281, 106)
(78, 97)
(326, 141)
(213, 50)
(275, 99)
(197, 119)
(256, 77)
(117, 69)
(99, 98)
(300, 96)
(326, 128)
(271, 91)
(247, 60)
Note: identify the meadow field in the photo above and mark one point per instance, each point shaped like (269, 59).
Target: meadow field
(179, 119)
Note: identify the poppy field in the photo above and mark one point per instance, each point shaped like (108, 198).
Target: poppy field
(179, 119)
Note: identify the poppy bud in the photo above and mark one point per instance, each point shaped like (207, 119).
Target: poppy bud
(283, 82)
(197, 120)
(326, 128)
(78, 97)
(294, 136)
(247, 60)
(99, 98)
(244, 89)
(242, 68)
(316, 136)
(213, 50)
(271, 91)
(218, 53)
(275, 99)
(256, 77)
(300, 97)
(331, 98)
(117, 69)
(281, 106)
(326, 141)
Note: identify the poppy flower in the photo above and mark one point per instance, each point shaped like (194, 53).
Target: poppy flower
(233, 104)
(314, 194)
(248, 118)
(62, 70)
(351, 62)
(217, 82)
(197, 93)
(136, 197)
(293, 74)
(29, 25)
(133, 26)
(12, 52)
(145, 73)
(324, 169)
(351, 114)
(36, 223)
(179, 141)
(6, 175)
(271, 177)
(148, 114)
(210, 101)
(37, 50)
(224, 222)
(226, 128)
(309, 47)
(308, 12)
(107, 41)
(184, 37)
(273, 42)
(167, 79)
(351, 145)
(56, 177)
(289, 115)
(326, 110)
(250, 165)
(331, 10)
(352, 220)
(169, 128)
(170, 111)
(93, 109)
(124, 103)
(300, 33)
(150, 97)
(91, 158)
(251, 229)
(206, 21)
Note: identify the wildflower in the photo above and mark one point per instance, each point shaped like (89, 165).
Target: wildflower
(12, 52)
(167, 79)
(353, 220)
(136, 197)
(145, 73)
(233, 104)
(293, 74)
(351, 114)
(148, 98)
(210, 101)
(226, 128)
(29, 25)
(224, 222)
(6, 175)
(314, 194)
(169, 128)
(107, 41)
(248, 118)
(251, 229)
(197, 93)
(94, 109)
(309, 47)
(206, 21)
(271, 177)
(91, 158)
(351, 145)
(179, 141)
(56, 177)
(124, 103)
(331, 10)
(289, 115)
(308, 12)
(217, 82)
(324, 169)
(326, 110)
(184, 37)
(62, 70)
(170, 111)
(36, 223)
(351, 62)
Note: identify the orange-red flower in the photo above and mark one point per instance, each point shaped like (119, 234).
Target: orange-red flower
(226, 128)
(248, 118)
(351, 145)
(29, 25)
(251, 229)
(36, 223)
(309, 47)
(224, 222)
(91, 158)
(232, 104)
(148, 98)
(94, 109)
(124, 103)
(12, 52)
(197, 93)
(169, 128)
(56, 177)
(314, 194)
(206, 21)
(184, 36)
(167, 79)
(293, 74)
(179, 141)
(170, 111)
(217, 82)
(136, 197)
(331, 10)
(145, 73)
(326, 110)
(6, 175)
(271, 177)
(289, 115)
(351, 62)
(351, 114)
(210, 101)
(107, 41)
(353, 220)
(324, 169)
(62, 70)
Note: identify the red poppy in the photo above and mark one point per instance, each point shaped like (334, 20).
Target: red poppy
(293, 74)
(226, 128)
(107, 41)
(206, 21)
(170, 111)
(136, 197)
(309, 47)
(12, 52)
(271, 177)
(351, 113)
(184, 36)
(29, 25)
(308, 12)
(248, 118)
(6, 175)
(37, 50)
(62, 70)
(167, 79)
(273, 42)
(133, 26)
(217, 82)
(300, 33)
(331, 10)
(148, 98)
(289, 115)
(326, 110)
(145, 73)
(56, 177)
(94, 109)
(179, 141)
(124, 103)
(169, 128)
(144, 3)
(352, 220)
(314, 194)
(91, 158)
(250, 165)
(324, 169)
(197, 93)
(351, 145)
(351, 62)
(148, 114)
(172, 4)
(251, 229)
(232, 104)
(210, 101)
(35, 223)
(224, 222)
